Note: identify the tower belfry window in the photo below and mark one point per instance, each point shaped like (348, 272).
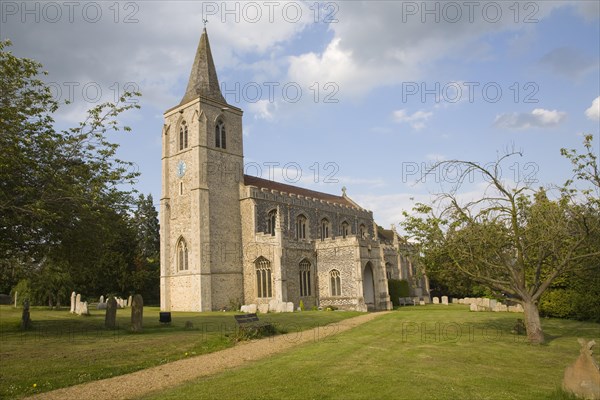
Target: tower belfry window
(183, 136)
(220, 136)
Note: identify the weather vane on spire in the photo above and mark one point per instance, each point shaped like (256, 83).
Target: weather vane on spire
(205, 22)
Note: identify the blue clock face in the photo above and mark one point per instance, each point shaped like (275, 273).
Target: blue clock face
(180, 169)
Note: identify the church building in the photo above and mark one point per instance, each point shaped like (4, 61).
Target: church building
(229, 238)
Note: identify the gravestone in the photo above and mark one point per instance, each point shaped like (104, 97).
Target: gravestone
(519, 308)
(473, 307)
(16, 295)
(445, 300)
(290, 307)
(583, 376)
(493, 304)
(5, 299)
(101, 306)
(263, 308)
(501, 307)
(102, 299)
(25, 317)
(137, 313)
(78, 304)
(251, 308)
(436, 300)
(274, 305)
(73, 302)
(129, 301)
(110, 318)
(83, 309)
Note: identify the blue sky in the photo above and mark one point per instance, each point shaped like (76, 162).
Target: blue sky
(386, 74)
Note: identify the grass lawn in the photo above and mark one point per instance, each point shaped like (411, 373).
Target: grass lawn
(65, 349)
(430, 352)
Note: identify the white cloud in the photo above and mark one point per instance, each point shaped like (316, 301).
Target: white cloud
(263, 109)
(393, 45)
(416, 120)
(593, 112)
(538, 118)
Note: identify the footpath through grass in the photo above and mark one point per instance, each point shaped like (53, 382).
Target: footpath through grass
(65, 349)
(430, 352)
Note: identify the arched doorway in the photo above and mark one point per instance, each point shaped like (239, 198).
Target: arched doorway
(369, 287)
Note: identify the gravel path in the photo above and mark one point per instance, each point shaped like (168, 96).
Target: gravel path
(153, 379)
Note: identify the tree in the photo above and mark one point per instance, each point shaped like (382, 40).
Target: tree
(146, 276)
(514, 239)
(57, 189)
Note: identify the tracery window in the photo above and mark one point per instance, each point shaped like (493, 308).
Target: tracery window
(305, 282)
(335, 283)
(264, 287)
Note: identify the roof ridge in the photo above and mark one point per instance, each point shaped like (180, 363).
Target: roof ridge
(250, 180)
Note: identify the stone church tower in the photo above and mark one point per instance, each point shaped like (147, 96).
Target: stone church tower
(202, 169)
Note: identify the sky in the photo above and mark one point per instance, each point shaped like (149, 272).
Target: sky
(358, 94)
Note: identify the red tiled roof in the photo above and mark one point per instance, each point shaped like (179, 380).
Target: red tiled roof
(282, 187)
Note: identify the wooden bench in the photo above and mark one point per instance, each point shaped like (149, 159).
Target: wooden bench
(249, 324)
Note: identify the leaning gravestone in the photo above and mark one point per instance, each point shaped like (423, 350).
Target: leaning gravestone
(129, 300)
(137, 313)
(25, 317)
(110, 318)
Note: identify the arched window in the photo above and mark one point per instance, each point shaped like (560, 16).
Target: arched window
(335, 283)
(305, 283)
(271, 222)
(220, 137)
(363, 231)
(344, 229)
(182, 255)
(301, 227)
(183, 136)
(324, 228)
(263, 278)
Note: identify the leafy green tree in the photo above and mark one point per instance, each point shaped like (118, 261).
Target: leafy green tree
(514, 239)
(146, 277)
(58, 190)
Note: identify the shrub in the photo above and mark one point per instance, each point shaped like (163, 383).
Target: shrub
(398, 288)
(301, 305)
(559, 303)
(23, 291)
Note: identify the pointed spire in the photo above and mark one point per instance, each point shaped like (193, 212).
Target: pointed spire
(203, 78)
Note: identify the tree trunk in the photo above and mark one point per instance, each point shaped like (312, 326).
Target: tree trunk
(535, 335)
